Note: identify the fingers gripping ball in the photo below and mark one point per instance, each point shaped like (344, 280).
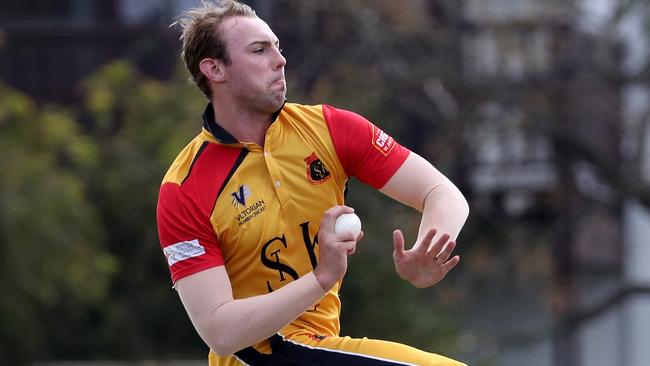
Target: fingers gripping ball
(348, 222)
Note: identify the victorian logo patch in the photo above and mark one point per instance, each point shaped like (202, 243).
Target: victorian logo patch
(239, 196)
(246, 210)
(316, 171)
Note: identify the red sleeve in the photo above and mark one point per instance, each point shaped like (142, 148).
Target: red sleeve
(186, 235)
(365, 151)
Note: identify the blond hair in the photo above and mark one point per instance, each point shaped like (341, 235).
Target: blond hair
(202, 37)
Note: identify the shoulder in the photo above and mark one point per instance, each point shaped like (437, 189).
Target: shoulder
(181, 167)
(324, 114)
(303, 111)
(200, 161)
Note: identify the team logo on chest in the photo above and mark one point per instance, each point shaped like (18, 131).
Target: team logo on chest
(316, 171)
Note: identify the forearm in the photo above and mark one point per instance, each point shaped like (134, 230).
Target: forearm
(237, 324)
(445, 209)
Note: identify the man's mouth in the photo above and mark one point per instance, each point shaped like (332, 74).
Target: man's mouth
(278, 82)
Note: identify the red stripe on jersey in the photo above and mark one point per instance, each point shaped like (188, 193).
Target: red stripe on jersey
(184, 210)
(365, 151)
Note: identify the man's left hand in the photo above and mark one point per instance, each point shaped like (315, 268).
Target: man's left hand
(426, 263)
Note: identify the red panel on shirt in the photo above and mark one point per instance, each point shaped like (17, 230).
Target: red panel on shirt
(184, 229)
(365, 151)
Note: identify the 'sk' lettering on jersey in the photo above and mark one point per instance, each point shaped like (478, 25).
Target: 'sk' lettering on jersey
(257, 210)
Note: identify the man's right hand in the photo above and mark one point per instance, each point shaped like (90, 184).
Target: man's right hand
(333, 248)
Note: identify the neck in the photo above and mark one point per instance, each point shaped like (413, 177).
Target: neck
(243, 124)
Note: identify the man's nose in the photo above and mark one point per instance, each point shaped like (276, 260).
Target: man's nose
(280, 61)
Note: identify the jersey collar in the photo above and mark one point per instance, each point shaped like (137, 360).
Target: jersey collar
(220, 133)
(210, 124)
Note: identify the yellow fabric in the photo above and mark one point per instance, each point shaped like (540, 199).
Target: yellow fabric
(279, 220)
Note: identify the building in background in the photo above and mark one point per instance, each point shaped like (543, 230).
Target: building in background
(570, 145)
(47, 47)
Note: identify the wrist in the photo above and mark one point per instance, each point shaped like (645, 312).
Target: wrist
(325, 280)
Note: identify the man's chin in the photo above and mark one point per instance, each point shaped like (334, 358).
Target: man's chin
(277, 102)
(269, 104)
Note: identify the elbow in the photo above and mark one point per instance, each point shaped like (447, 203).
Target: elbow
(220, 334)
(457, 200)
(458, 204)
(222, 346)
(223, 349)
(464, 206)
(223, 343)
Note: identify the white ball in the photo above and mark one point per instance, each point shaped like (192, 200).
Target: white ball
(348, 222)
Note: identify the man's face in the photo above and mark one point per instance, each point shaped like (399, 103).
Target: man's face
(255, 76)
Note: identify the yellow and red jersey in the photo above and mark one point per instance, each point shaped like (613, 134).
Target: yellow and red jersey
(257, 209)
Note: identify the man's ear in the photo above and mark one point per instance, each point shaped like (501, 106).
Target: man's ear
(213, 69)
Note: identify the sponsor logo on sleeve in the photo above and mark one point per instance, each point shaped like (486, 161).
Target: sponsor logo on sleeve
(183, 250)
(382, 141)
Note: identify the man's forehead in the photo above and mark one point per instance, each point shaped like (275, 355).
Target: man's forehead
(246, 30)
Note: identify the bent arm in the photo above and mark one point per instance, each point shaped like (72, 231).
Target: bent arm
(420, 185)
(227, 325)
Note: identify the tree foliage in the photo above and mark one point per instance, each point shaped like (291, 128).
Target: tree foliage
(54, 260)
(139, 125)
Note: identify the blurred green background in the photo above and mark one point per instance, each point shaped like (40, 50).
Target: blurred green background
(537, 110)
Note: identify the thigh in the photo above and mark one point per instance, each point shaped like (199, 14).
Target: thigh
(310, 349)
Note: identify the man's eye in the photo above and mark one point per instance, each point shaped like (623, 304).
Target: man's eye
(259, 50)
